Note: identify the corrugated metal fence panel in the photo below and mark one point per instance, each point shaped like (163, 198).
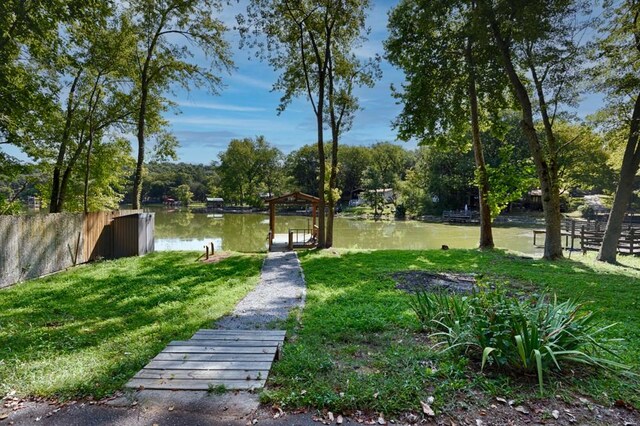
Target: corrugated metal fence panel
(146, 240)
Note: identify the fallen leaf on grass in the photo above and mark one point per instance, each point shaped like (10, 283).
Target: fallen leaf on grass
(521, 409)
(339, 420)
(170, 408)
(426, 409)
(555, 414)
(4, 416)
(381, 420)
(504, 401)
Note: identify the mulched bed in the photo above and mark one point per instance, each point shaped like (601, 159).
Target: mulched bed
(413, 281)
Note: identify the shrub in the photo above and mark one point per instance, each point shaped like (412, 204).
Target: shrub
(587, 211)
(535, 335)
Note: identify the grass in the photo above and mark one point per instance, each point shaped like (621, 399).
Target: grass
(360, 347)
(87, 331)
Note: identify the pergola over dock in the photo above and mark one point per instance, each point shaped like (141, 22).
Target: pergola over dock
(295, 238)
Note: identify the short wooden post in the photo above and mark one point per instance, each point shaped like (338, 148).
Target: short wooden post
(212, 248)
(582, 246)
(290, 240)
(534, 237)
(206, 252)
(631, 238)
(573, 232)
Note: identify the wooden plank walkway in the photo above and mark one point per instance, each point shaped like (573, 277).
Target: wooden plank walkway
(235, 359)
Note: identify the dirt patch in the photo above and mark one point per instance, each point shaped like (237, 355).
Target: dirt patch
(497, 412)
(216, 258)
(413, 281)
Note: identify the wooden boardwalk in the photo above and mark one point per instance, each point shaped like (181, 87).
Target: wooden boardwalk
(235, 359)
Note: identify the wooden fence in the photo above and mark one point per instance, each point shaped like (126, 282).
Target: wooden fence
(37, 245)
(590, 234)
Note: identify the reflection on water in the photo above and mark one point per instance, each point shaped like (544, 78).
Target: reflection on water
(181, 230)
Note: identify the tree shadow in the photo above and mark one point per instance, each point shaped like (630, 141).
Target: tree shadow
(122, 312)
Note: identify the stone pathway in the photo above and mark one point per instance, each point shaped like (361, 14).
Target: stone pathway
(281, 288)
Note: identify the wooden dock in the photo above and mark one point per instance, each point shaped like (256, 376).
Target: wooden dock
(294, 239)
(460, 216)
(235, 359)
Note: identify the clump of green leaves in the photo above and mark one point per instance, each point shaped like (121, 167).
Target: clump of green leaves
(216, 389)
(534, 335)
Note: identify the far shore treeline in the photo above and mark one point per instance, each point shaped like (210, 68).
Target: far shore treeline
(492, 94)
(419, 182)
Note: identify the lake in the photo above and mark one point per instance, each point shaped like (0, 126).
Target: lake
(183, 230)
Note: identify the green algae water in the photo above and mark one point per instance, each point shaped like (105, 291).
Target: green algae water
(183, 230)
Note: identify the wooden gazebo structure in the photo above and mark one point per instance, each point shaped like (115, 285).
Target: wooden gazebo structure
(295, 238)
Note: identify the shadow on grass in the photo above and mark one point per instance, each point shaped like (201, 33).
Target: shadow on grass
(87, 330)
(359, 335)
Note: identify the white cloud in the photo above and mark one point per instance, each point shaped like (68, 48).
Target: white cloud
(219, 106)
(251, 81)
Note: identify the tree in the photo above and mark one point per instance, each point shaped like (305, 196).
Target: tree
(310, 42)
(183, 194)
(345, 71)
(618, 53)
(448, 76)
(162, 61)
(302, 166)
(389, 164)
(30, 28)
(245, 169)
(353, 161)
(541, 39)
(95, 61)
(583, 161)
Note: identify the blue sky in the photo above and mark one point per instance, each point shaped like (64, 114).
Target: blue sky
(246, 107)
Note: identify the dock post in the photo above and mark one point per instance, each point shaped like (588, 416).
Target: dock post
(573, 232)
(534, 237)
(206, 252)
(212, 249)
(584, 250)
(631, 238)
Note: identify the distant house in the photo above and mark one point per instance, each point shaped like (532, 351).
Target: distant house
(215, 203)
(171, 202)
(33, 202)
(386, 194)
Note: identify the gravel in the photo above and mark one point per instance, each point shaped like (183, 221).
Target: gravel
(281, 288)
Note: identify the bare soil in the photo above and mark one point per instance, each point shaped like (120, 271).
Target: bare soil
(414, 281)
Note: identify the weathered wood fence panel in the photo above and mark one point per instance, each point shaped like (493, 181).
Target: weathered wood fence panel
(37, 245)
(591, 233)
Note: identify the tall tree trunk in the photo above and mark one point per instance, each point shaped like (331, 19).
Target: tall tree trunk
(87, 172)
(321, 171)
(142, 113)
(335, 137)
(486, 233)
(548, 182)
(630, 163)
(55, 205)
(332, 184)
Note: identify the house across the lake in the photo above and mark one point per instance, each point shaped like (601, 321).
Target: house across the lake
(215, 203)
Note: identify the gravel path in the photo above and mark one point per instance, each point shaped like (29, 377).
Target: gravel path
(281, 288)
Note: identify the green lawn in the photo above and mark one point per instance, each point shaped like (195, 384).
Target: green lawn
(86, 331)
(360, 345)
